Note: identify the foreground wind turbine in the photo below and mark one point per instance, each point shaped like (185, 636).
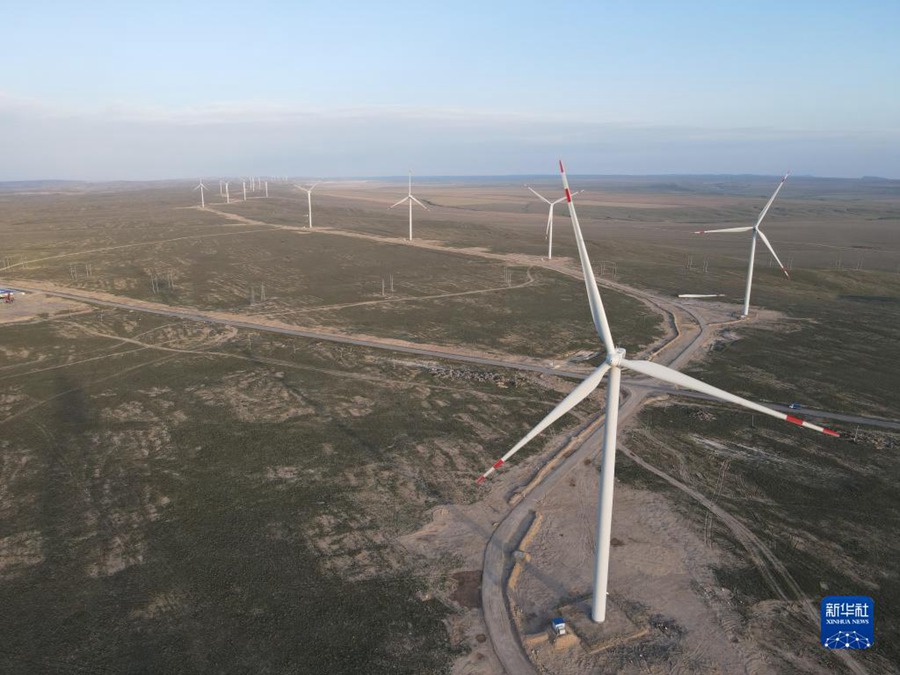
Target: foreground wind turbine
(549, 234)
(201, 187)
(411, 199)
(308, 192)
(756, 231)
(614, 363)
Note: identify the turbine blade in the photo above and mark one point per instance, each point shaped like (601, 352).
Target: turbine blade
(597, 311)
(549, 223)
(762, 214)
(772, 251)
(539, 196)
(576, 396)
(399, 203)
(726, 229)
(562, 199)
(418, 202)
(680, 379)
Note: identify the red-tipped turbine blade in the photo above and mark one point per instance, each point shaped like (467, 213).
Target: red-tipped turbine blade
(665, 374)
(597, 312)
(765, 240)
(576, 396)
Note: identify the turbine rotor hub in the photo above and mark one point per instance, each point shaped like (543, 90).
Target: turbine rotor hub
(616, 357)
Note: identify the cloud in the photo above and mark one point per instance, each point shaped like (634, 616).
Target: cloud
(121, 141)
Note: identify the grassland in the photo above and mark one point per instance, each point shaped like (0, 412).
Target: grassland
(232, 505)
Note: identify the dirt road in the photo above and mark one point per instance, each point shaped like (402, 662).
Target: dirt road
(498, 554)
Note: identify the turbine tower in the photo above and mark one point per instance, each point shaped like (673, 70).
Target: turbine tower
(308, 192)
(549, 234)
(613, 365)
(227, 196)
(411, 199)
(244, 184)
(201, 187)
(756, 232)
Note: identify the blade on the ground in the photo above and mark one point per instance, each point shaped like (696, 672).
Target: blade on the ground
(541, 197)
(680, 379)
(597, 311)
(772, 251)
(762, 214)
(576, 396)
(726, 229)
(418, 202)
(398, 203)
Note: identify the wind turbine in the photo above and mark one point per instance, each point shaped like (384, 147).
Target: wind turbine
(201, 187)
(244, 184)
(756, 231)
(411, 199)
(227, 196)
(549, 234)
(308, 192)
(614, 363)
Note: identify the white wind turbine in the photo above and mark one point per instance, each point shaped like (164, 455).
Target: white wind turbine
(201, 187)
(549, 234)
(614, 363)
(244, 184)
(756, 231)
(227, 196)
(308, 192)
(411, 199)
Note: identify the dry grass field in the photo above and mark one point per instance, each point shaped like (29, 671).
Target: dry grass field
(185, 497)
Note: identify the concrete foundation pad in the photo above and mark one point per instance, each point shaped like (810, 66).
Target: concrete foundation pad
(619, 628)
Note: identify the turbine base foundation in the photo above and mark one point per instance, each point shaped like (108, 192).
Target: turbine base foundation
(619, 628)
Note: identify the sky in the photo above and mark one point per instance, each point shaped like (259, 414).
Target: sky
(154, 90)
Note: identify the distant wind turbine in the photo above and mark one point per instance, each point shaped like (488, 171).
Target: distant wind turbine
(614, 363)
(308, 192)
(201, 187)
(759, 232)
(244, 184)
(549, 234)
(411, 199)
(227, 196)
